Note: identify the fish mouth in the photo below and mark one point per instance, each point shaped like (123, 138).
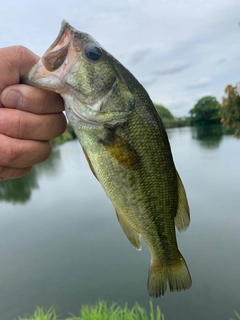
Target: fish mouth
(49, 71)
(57, 53)
(65, 29)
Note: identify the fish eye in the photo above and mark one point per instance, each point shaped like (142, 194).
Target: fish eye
(93, 53)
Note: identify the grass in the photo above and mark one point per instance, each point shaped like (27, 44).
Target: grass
(40, 314)
(237, 316)
(101, 311)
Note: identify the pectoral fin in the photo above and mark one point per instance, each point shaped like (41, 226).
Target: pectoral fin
(182, 218)
(132, 235)
(121, 150)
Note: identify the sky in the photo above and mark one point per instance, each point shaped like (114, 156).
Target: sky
(179, 50)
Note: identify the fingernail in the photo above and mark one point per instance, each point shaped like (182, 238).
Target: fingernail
(14, 99)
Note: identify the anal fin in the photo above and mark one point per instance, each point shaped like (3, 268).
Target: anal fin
(133, 236)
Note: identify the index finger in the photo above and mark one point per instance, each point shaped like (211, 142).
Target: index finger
(15, 61)
(31, 99)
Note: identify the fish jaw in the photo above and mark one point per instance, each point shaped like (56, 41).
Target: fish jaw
(51, 70)
(62, 70)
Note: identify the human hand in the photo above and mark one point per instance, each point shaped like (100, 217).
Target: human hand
(29, 117)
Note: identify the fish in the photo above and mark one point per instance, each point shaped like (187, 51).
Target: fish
(126, 146)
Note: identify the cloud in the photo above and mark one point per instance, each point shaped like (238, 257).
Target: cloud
(173, 69)
(221, 61)
(201, 83)
(139, 55)
(169, 50)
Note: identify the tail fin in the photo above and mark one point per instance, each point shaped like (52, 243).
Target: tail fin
(176, 275)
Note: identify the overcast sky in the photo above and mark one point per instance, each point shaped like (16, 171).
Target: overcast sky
(180, 50)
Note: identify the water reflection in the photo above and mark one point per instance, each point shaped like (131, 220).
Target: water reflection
(20, 190)
(64, 247)
(208, 136)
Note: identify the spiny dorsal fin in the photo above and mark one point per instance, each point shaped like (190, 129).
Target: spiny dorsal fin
(132, 235)
(182, 218)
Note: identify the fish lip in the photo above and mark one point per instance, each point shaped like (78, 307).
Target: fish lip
(65, 26)
(57, 53)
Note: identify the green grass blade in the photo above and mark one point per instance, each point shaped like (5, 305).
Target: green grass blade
(237, 316)
(101, 311)
(40, 314)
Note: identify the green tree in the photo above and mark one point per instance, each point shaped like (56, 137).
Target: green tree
(164, 113)
(230, 109)
(205, 112)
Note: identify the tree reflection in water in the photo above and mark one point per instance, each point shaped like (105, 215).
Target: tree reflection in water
(20, 190)
(208, 136)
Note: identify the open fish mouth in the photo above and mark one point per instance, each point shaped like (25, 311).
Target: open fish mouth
(48, 73)
(66, 30)
(57, 53)
(54, 71)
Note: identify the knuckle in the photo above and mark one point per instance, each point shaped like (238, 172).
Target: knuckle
(20, 128)
(16, 50)
(20, 50)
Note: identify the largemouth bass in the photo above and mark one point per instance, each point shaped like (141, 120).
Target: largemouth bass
(126, 146)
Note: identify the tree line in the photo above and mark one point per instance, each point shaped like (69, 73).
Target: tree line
(209, 111)
(205, 112)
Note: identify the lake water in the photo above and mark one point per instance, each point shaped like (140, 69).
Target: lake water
(61, 244)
